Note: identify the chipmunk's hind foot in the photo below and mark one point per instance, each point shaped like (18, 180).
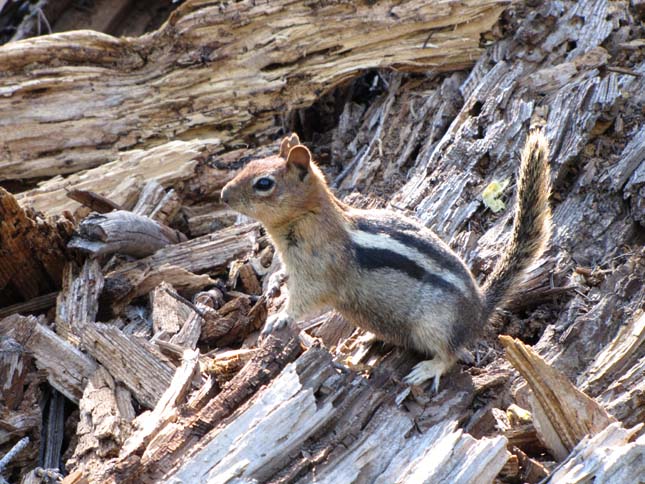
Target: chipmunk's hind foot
(429, 369)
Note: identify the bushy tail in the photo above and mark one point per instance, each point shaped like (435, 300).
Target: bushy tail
(531, 224)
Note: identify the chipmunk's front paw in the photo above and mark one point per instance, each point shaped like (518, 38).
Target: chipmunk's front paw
(276, 322)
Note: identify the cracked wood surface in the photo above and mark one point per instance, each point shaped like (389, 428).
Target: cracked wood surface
(232, 68)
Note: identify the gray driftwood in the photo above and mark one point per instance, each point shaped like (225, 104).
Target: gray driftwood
(124, 232)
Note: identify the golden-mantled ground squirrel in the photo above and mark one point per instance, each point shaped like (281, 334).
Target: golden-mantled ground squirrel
(381, 270)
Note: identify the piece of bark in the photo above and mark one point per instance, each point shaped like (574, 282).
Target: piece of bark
(332, 43)
(14, 364)
(123, 232)
(167, 208)
(562, 414)
(128, 361)
(207, 217)
(622, 353)
(605, 458)
(33, 251)
(188, 335)
(244, 274)
(93, 201)
(102, 428)
(213, 298)
(226, 364)
(67, 368)
(156, 204)
(24, 421)
(525, 437)
(169, 314)
(531, 470)
(127, 191)
(230, 323)
(333, 330)
(621, 398)
(51, 444)
(178, 264)
(78, 300)
(152, 193)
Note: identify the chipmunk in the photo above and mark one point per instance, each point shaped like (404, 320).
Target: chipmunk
(381, 270)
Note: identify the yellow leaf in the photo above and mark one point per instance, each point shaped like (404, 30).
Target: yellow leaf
(491, 195)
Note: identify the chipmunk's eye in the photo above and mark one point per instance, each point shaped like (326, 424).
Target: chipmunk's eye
(264, 184)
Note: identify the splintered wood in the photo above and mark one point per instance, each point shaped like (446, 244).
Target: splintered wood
(563, 415)
(131, 296)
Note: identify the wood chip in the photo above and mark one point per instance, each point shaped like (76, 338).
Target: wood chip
(128, 361)
(562, 414)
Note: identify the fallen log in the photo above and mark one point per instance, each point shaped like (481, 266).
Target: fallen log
(429, 143)
(211, 84)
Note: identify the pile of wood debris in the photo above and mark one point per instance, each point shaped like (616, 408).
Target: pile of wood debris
(131, 299)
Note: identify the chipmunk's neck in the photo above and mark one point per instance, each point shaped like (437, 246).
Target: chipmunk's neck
(321, 225)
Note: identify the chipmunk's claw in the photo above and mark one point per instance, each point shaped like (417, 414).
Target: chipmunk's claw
(427, 370)
(275, 323)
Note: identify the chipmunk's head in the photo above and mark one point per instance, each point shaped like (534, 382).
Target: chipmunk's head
(279, 188)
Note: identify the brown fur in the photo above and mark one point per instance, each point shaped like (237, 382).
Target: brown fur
(531, 224)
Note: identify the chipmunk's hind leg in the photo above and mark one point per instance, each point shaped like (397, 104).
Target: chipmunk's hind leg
(429, 369)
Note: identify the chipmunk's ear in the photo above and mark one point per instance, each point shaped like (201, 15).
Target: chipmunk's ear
(288, 143)
(299, 158)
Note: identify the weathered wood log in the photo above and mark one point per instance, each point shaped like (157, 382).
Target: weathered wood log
(188, 335)
(123, 232)
(34, 305)
(617, 375)
(14, 364)
(229, 323)
(207, 217)
(33, 251)
(93, 201)
(51, 445)
(67, 368)
(166, 410)
(220, 86)
(305, 407)
(128, 361)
